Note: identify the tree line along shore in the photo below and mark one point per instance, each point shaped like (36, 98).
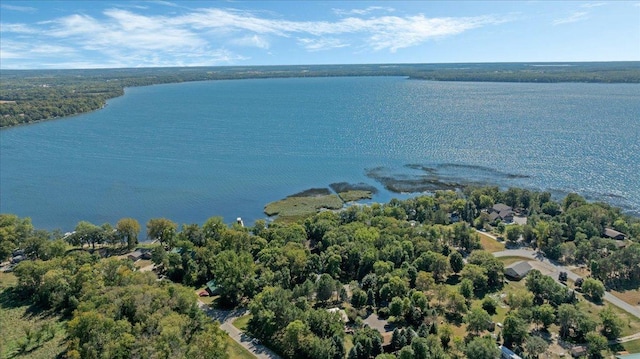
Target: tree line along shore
(406, 279)
(28, 96)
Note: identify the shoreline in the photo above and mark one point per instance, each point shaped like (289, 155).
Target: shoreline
(582, 72)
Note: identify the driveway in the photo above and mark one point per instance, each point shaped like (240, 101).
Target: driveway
(226, 318)
(555, 270)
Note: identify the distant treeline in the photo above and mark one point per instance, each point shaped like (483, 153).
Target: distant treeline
(33, 95)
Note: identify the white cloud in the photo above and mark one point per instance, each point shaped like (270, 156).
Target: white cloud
(321, 44)
(575, 17)
(18, 29)
(18, 8)
(130, 37)
(342, 12)
(252, 41)
(592, 5)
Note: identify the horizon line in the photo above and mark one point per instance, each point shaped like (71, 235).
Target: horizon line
(327, 64)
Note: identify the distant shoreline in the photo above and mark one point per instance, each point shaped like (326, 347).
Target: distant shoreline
(30, 96)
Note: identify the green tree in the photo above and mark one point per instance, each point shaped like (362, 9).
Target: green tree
(482, 348)
(477, 319)
(567, 314)
(489, 304)
(596, 343)
(515, 330)
(534, 346)
(477, 275)
(466, 288)
(456, 262)
(544, 314)
(358, 298)
(213, 228)
(611, 323)
(127, 230)
(325, 287)
(162, 230)
(406, 353)
(234, 274)
(594, 289)
(513, 233)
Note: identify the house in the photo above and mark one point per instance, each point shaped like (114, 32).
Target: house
(212, 287)
(501, 211)
(135, 255)
(579, 351)
(517, 270)
(613, 234)
(499, 207)
(506, 353)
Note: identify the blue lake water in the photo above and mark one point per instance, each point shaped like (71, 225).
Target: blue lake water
(194, 150)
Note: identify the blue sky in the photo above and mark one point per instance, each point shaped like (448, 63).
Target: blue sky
(95, 34)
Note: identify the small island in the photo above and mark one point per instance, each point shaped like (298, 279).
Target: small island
(314, 200)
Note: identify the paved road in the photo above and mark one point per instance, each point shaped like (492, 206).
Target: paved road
(555, 269)
(625, 339)
(226, 318)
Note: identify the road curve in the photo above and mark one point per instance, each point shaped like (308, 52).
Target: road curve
(555, 269)
(226, 318)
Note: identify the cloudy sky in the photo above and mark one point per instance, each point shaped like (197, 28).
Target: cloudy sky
(90, 34)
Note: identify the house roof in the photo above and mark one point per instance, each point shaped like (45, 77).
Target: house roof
(518, 269)
(135, 254)
(612, 233)
(499, 207)
(509, 353)
(505, 214)
(493, 216)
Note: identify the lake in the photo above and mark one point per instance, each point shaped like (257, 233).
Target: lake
(194, 150)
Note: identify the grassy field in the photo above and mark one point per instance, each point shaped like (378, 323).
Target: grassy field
(489, 244)
(632, 346)
(25, 331)
(242, 322)
(236, 351)
(630, 296)
(512, 259)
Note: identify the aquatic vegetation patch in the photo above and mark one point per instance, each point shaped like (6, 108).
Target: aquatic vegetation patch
(302, 205)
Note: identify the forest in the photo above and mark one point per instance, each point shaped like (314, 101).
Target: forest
(417, 265)
(28, 96)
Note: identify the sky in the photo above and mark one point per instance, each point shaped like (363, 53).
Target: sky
(113, 34)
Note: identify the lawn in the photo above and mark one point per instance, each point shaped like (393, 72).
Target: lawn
(489, 244)
(632, 324)
(242, 322)
(630, 296)
(143, 263)
(512, 259)
(35, 333)
(7, 280)
(236, 351)
(632, 346)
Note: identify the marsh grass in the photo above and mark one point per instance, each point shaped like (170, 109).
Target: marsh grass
(355, 195)
(302, 206)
